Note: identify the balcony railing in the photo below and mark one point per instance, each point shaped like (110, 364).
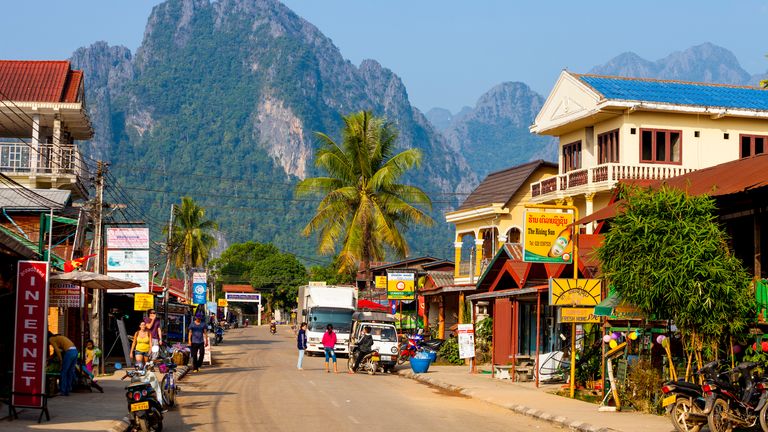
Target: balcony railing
(17, 157)
(605, 175)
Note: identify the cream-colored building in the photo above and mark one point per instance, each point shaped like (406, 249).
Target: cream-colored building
(615, 128)
(493, 215)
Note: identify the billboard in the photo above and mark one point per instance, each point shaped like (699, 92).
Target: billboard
(31, 337)
(141, 278)
(243, 297)
(199, 292)
(548, 237)
(575, 292)
(127, 260)
(400, 285)
(142, 302)
(127, 238)
(65, 295)
(466, 341)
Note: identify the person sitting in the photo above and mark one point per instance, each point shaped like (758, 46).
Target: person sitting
(363, 347)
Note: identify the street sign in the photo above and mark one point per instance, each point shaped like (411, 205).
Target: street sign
(466, 340)
(547, 237)
(400, 285)
(578, 315)
(31, 341)
(575, 292)
(64, 295)
(380, 282)
(243, 297)
(199, 290)
(127, 238)
(142, 302)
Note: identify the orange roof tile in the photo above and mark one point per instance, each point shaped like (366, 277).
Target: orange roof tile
(237, 289)
(39, 81)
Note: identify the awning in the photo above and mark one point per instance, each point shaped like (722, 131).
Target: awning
(614, 307)
(371, 305)
(508, 293)
(606, 307)
(448, 289)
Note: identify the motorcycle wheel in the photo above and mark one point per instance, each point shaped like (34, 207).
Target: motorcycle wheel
(718, 417)
(369, 366)
(350, 363)
(402, 358)
(679, 414)
(142, 424)
(764, 418)
(169, 394)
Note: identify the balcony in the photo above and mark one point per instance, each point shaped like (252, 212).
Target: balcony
(51, 166)
(600, 177)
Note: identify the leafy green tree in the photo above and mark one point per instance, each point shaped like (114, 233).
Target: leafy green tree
(667, 254)
(364, 208)
(191, 236)
(333, 274)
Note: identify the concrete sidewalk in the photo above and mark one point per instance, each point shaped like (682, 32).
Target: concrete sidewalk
(526, 399)
(80, 411)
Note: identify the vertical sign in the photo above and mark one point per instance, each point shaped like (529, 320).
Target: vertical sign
(547, 237)
(466, 341)
(31, 341)
(199, 288)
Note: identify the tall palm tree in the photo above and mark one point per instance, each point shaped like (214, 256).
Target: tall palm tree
(191, 237)
(364, 208)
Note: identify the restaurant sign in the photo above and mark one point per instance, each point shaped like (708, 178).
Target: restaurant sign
(575, 292)
(578, 315)
(400, 286)
(31, 342)
(548, 237)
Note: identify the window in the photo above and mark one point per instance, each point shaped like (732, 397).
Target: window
(752, 145)
(608, 147)
(572, 156)
(513, 235)
(660, 146)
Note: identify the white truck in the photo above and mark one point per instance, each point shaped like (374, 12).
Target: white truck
(323, 305)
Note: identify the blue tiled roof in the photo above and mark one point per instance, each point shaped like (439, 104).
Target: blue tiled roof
(678, 93)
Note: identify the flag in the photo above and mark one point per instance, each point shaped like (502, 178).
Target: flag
(76, 263)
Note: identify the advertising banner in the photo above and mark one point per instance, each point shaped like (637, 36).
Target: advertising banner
(142, 302)
(141, 278)
(222, 302)
(127, 238)
(64, 295)
(400, 286)
(127, 260)
(31, 336)
(243, 297)
(199, 277)
(548, 237)
(380, 282)
(466, 341)
(578, 315)
(575, 292)
(199, 292)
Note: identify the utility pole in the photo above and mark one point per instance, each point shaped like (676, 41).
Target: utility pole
(164, 281)
(97, 322)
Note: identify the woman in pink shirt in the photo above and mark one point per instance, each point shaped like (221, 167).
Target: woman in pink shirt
(329, 343)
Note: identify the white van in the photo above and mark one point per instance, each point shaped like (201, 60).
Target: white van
(384, 336)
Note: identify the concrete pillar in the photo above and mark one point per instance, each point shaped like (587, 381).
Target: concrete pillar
(457, 259)
(441, 319)
(426, 314)
(478, 256)
(589, 210)
(34, 151)
(502, 240)
(55, 156)
(461, 307)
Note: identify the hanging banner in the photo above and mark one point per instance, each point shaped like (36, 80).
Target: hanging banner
(578, 315)
(422, 308)
(548, 237)
(142, 302)
(127, 238)
(64, 295)
(31, 336)
(400, 285)
(575, 292)
(466, 341)
(199, 292)
(127, 260)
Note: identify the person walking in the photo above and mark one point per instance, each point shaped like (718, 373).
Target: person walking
(142, 343)
(67, 353)
(197, 338)
(155, 330)
(329, 343)
(301, 343)
(364, 346)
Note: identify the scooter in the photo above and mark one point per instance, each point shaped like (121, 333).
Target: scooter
(415, 344)
(219, 335)
(144, 405)
(738, 401)
(685, 402)
(273, 328)
(369, 363)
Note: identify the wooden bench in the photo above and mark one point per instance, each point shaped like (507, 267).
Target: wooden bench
(502, 371)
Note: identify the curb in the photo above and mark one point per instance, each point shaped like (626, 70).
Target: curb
(565, 422)
(124, 424)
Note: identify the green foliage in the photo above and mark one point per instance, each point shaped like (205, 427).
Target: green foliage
(450, 351)
(364, 209)
(191, 235)
(642, 388)
(332, 274)
(666, 254)
(485, 329)
(588, 363)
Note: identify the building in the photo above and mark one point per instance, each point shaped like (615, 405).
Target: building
(615, 128)
(492, 215)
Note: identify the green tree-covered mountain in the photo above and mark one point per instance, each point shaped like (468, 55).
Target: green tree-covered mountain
(220, 102)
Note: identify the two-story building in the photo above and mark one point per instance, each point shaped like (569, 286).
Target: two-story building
(616, 128)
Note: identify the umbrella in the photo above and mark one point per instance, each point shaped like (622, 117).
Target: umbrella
(371, 305)
(92, 280)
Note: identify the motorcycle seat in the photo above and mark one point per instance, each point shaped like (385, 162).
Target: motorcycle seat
(688, 385)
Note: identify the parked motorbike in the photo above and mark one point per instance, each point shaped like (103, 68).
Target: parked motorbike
(685, 402)
(416, 343)
(369, 363)
(737, 401)
(144, 406)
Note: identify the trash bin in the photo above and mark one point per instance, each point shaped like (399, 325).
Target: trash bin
(420, 365)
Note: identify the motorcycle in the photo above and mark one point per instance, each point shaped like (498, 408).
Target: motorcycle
(737, 401)
(416, 343)
(685, 402)
(369, 363)
(144, 405)
(218, 335)
(273, 329)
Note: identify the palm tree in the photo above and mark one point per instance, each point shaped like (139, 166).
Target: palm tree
(364, 208)
(191, 237)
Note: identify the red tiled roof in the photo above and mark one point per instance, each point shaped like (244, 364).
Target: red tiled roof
(238, 289)
(39, 81)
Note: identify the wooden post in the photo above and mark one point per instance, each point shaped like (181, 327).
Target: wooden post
(461, 307)
(441, 318)
(538, 335)
(756, 228)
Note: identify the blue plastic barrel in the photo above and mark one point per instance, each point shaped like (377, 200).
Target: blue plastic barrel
(420, 365)
(432, 356)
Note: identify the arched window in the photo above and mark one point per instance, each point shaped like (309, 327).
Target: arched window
(513, 235)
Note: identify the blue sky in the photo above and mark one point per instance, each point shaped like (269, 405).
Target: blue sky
(448, 52)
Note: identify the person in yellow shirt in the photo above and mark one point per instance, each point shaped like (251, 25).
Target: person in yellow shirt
(142, 342)
(66, 352)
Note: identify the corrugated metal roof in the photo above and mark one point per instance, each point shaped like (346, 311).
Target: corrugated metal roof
(39, 81)
(678, 92)
(21, 198)
(500, 186)
(440, 279)
(237, 289)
